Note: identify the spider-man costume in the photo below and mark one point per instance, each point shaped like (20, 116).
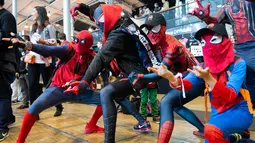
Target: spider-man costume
(175, 56)
(227, 103)
(241, 15)
(121, 46)
(74, 60)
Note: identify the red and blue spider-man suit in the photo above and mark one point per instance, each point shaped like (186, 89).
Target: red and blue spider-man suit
(80, 56)
(241, 15)
(228, 105)
(175, 56)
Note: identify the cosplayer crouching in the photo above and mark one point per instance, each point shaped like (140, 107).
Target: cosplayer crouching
(176, 58)
(224, 77)
(240, 14)
(122, 47)
(74, 57)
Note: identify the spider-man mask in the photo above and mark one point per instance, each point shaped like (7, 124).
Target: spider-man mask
(99, 18)
(155, 33)
(83, 42)
(217, 50)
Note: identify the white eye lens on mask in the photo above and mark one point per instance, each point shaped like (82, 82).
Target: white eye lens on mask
(101, 18)
(216, 39)
(156, 29)
(145, 30)
(203, 42)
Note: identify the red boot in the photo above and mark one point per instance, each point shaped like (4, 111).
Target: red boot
(27, 124)
(93, 129)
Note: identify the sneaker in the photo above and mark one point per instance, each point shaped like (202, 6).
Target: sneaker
(156, 119)
(3, 135)
(58, 112)
(93, 129)
(23, 106)
(199, 134)
(143, 127)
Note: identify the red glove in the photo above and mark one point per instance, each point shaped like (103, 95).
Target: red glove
(73, 11)
(201, 12)
(77, 87)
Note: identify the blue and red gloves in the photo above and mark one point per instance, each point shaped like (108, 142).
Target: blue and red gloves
(76, 87)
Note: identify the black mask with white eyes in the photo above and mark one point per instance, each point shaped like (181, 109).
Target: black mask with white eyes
(153, 29)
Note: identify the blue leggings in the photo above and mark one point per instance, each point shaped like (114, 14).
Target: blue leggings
(174, 101)
(117, 91)
(234, 120)
(54, 95)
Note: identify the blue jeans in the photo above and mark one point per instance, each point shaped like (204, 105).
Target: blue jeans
(6, 115)
(54, 95)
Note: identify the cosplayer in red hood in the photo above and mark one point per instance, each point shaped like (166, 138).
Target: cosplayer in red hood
(82, 46)
(106, 16)
(217, 49)
(82, 43)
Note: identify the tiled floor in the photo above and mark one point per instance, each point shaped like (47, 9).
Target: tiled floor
(68, 128)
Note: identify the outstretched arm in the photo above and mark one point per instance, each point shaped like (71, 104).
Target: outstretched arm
(53, 51)
(204, 14)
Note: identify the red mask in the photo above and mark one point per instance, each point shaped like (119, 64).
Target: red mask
(156, 34)
(218, 52)
(83, 42)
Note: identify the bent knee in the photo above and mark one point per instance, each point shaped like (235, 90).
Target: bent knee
(106, 93)
(214, 134)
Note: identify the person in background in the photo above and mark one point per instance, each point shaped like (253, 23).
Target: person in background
(146, 11)
(165, 4)
(62, 38)
(23, 78)
(141, 12)
(156, 7)
(8, 66)
(42, 66)
(15, 89)
(152, 90)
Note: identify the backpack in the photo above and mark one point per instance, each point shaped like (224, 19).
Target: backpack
(245, 90)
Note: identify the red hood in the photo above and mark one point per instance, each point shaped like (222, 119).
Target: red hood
(112, 14)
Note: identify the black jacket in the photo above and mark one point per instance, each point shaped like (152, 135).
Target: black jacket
(8, 57)
(120, 46)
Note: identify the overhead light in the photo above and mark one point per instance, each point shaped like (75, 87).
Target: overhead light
(48, 14)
